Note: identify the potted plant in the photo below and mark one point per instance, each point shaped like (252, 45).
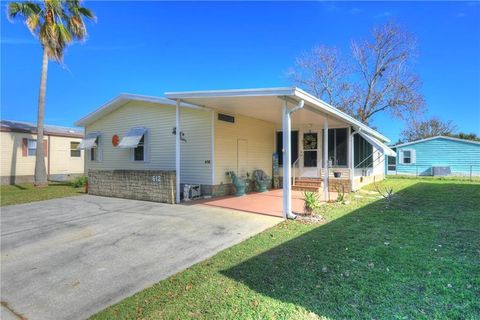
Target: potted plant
(311, 202)
(337, 174)
(238, 183)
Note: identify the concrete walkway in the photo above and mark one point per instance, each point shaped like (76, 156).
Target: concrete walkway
(70, 258)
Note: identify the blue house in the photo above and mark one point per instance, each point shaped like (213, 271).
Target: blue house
(436, 156)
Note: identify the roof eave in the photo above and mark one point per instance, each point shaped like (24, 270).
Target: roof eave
(433, 138)
(281, 91)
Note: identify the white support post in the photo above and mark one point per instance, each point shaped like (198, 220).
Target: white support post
(212, 157)
(287, 169)
(177, 151)
(352, 160)
(325, 158)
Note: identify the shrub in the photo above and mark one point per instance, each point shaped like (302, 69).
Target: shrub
(311, 202)
(79, 182)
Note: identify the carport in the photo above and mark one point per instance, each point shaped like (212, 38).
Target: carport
(285, 107)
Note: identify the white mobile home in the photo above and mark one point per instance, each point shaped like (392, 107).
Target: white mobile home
(203, 135)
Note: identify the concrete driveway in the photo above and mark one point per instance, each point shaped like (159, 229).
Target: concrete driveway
(70, 258)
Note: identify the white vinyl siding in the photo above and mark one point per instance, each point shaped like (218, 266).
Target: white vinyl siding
(257, 136)
(195, 152)
(160, 143)
(158, 119)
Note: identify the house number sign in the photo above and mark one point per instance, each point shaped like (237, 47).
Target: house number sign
(156, 179)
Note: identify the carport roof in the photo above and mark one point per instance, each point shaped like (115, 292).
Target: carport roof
(266, 103)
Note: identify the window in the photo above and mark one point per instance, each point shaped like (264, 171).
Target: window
(94, 150)
(293, 146)
(407, 156)
(392, 163)
(139, 151)
(93, 154)
(74, 151)
(32, 147)
(337, 146)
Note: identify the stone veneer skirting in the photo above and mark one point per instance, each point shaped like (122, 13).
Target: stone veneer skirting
(150, 185)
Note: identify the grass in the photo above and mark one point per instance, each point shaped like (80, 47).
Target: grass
(417, 258)
(24, 193)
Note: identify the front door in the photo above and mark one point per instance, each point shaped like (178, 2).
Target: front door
(310, 154)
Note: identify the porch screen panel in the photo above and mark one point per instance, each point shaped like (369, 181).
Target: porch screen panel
(362, 150)
(341, 147)
(337, 146)
(294, 146)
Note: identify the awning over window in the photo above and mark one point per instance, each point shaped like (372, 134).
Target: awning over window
(132, 138)
(90, 141)
(379, 145)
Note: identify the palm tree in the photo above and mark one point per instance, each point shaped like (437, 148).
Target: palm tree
(56, 24)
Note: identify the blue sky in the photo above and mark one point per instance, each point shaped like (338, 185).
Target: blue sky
(153, 47)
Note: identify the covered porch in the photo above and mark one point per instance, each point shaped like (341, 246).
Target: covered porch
(321, 145)
(268, 203)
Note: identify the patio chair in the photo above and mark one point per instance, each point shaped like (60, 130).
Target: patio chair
(238, 183)
(262, 180)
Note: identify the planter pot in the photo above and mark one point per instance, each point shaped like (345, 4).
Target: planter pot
(239, 190)
(262, 186)
(337, 174)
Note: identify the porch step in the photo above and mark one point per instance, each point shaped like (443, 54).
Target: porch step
(307, 184)
(305, 188)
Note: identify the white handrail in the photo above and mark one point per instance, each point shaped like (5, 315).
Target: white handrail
(293, 169)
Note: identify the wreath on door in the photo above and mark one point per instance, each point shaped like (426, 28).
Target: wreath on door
(309, 142)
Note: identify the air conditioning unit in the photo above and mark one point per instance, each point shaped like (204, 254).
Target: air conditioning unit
(191, 192)
(441, 171)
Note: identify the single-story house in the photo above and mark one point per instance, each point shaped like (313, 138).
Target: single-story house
(137, 144)
(436, 156)
(63, 160)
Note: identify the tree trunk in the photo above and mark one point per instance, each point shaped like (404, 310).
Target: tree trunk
(40, 171)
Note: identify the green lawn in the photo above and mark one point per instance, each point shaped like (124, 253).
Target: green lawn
(16, 194)
(419, 258)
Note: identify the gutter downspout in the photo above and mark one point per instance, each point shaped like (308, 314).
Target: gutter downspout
(287, 157)
(177, 152)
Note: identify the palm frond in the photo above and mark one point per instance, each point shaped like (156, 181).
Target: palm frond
(77, 28)
(33, 22)
(56, 23)
(24, 9)
(87, 13)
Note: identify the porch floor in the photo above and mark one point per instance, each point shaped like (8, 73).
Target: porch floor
(268, 203)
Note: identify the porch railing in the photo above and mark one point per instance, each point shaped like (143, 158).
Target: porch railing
(294, 166)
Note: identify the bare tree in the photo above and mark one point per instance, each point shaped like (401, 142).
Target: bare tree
(322, 71)
(379, 77)
(428, 128)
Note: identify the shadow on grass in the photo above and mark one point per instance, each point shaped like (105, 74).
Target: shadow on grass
(417, 258)
(19, 187)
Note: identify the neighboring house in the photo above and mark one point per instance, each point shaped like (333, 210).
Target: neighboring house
(227, 130)
(436, 156)
(18, 146)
